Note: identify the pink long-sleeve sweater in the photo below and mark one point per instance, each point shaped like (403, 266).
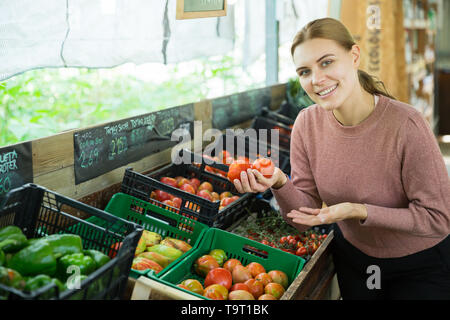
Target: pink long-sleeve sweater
(390, 162)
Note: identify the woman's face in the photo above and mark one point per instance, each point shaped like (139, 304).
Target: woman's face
(327, 72)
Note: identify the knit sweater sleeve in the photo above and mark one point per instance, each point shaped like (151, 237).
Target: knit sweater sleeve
(425, 182)
(300, 190)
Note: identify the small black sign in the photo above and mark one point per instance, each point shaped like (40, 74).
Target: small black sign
(16, 167)
(104, 148)
(237, 108)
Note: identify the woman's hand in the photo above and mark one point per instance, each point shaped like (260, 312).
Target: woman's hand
(253, 181)
(342, 211)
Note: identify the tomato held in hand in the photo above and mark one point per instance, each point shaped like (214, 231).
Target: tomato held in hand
(265, 166)
(235, 169)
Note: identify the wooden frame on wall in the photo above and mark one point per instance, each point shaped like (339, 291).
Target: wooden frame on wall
(193, 9)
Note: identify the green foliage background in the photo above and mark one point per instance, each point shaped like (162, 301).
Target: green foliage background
(43, 102)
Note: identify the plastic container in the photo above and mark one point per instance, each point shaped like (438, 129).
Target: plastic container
(40, 212)
(284, 136)
(192, 206)
(251, 148)
(236, 247)
(156, 219)
(266, 112)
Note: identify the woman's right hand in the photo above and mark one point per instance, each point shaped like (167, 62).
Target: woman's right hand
(254, 182)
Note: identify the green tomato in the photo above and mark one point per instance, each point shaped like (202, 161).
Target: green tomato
(219, 255)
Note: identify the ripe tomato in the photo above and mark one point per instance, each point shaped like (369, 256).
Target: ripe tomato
(301, 251)
(230, 264)
(216, 292)
(255, 287)
(204, 264)
(194, 286)
(234, 172)
(265, 166)
(255, 268)
(219, 276)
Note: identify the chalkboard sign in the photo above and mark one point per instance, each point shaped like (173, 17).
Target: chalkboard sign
(232, 110)
(191, 9)
(16, 167)
(104, 148)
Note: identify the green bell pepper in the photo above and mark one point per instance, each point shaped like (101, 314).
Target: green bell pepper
(9, 230)
(35, 259)
(11, 278)
(42, 280)
(99, 257)
(85, 264)
(63, 244)
(13, 243)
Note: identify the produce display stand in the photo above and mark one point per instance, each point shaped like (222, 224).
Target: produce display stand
(315, 282)
(54, 161)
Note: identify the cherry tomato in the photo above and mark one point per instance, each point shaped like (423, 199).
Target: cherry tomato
(301, 251)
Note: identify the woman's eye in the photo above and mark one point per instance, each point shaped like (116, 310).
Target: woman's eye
(303, 73)
(326, 63)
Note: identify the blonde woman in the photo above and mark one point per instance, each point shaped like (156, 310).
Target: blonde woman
(376, 164)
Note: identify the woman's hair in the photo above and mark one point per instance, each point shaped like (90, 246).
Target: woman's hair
(332, 29)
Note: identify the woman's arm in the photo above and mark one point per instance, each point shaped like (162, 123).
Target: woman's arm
(300, 190)
(426, 185)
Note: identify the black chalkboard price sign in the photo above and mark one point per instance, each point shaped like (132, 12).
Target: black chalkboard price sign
(237, 108)
(16, 167)
(101, 149)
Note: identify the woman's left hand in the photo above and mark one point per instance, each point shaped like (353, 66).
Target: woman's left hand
(342, 211)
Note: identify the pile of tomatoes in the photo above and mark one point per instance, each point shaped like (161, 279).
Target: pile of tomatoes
(273, 231)
(218, 277)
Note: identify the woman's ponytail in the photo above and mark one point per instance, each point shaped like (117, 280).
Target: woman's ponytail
(372, 85)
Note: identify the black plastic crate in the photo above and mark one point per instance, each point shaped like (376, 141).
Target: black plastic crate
(252, 149)
(40, 212)
(192, 206)
(284, 132)
(275, 115)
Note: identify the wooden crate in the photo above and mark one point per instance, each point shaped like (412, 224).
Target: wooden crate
(316, 281)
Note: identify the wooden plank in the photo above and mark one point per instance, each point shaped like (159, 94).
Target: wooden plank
(278, 96)
(63, 181)
(146, 288)
(314, 280)
(52, 153)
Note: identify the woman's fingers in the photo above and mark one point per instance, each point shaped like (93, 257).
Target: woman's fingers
(304, 218)
(309, 210)
(238, 186)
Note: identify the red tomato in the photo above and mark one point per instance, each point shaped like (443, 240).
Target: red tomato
(170, 181)
(240, 286)
(234, 172)
(162, 195)
(231, 263)
(204, 264)
(265, 166)
(219, 276)
(256, 287)
(177, 202)
(301, 251)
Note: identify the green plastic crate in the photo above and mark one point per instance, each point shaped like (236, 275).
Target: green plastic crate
(159, 220)
(236, 247)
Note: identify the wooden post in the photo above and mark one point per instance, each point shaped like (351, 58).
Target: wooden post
(377, 26)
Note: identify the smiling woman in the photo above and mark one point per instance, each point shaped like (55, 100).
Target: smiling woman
(377, 165)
